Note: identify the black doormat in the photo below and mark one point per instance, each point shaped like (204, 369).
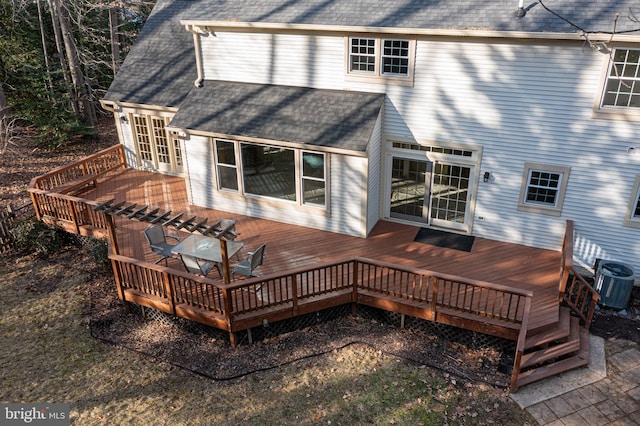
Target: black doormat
(444, 239)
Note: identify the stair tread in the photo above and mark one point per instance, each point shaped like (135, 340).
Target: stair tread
(557, 350)
(549, 370)
(559, 331)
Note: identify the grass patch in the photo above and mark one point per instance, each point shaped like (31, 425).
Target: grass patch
(49, 356)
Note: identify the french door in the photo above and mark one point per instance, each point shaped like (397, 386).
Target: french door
(436, 193)
(157, 148)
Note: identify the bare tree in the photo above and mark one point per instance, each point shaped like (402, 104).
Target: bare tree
(49, 83)
(80, 89)
(57, 33)
(115, 45)
(6, 124)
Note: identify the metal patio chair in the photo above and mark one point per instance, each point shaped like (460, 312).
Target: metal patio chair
(158, 242)
(199, 266)
(248, 265)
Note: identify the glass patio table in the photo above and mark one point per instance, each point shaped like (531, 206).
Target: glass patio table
(206, 248)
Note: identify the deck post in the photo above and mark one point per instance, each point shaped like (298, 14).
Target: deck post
(168, 288)
(116, 273)
(294, 294)
(226, 273)
(434, 301)
(74, 216)
(354, 284)
(111, 230)
(567, 258)
(36, 206)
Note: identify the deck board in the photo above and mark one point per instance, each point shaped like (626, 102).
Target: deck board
(291, 246)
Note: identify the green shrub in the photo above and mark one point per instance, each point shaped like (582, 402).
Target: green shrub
(36, 237)
(99, 250)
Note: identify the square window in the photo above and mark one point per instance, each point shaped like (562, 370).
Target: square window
(363, 55)
(543, 188)
(395, 57)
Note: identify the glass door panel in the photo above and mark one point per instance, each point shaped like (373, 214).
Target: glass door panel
(450, 195)
(408, 188)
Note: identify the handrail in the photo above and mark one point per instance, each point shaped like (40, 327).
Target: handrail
(581, 297)
(99, 163)
(522, 336)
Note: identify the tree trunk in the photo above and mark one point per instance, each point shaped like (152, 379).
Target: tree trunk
(73, 99)
(49, 83)
(4, 122)
(115, 46)
(87, 108)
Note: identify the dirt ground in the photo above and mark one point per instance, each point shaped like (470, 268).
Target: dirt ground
(476, 361)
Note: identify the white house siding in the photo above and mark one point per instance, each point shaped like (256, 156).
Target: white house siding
(345, 193)
(293, 60)
(520, 101)
(374, 176)
(129, 145)
(199, 171)
(533, 104)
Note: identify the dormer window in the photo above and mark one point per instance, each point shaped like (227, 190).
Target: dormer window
(387, 60)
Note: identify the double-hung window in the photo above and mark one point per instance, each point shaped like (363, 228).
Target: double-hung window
(543, 188)
(620, 94)
(632, 217)
(269, 171)
(388, 60)
(622, 87)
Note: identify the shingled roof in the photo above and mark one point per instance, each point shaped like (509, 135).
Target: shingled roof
(160, 69)
(334, 119)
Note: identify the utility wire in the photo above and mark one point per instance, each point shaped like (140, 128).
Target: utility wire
(582, 29)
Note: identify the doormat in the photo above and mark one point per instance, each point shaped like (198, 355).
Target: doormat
(444, 239)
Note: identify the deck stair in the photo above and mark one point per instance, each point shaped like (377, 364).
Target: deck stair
(554, 350)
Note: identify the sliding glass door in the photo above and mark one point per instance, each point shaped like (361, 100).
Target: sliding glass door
(432, 192)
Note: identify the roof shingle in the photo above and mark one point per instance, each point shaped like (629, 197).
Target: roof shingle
(324, 118)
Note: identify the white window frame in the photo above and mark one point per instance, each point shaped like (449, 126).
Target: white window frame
(304, 178)
(378, 75)
(299, 176)
(631, 219)
(612, 71)
(543, 208)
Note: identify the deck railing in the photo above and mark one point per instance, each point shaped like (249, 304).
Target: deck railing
(72, 213)
(581, 297)
(221, 305)
(294, 288)
(53, 205)
(92, 166)
(575, 291)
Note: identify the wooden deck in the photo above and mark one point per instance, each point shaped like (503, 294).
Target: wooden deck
(292, 247)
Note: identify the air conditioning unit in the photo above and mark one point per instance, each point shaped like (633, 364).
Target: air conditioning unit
(614, 282)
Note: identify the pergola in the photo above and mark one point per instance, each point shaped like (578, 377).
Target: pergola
(222, 229)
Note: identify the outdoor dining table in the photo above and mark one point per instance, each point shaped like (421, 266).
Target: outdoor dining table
(206, 248)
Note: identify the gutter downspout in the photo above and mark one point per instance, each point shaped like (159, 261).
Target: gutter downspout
(197, 32)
